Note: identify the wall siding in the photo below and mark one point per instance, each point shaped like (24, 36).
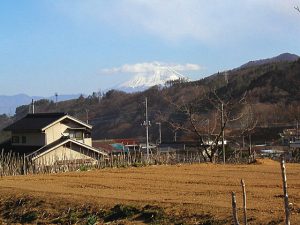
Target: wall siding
(64, 153)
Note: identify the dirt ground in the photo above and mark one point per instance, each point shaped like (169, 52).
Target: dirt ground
(181, 190)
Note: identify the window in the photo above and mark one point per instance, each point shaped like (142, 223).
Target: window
(78, 135)
(71, 134)
(15, 139)
(23, 139)
(87, 135)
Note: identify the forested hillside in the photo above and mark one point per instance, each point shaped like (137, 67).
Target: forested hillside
(272, 90)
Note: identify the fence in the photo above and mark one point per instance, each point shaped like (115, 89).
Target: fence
(12, 164)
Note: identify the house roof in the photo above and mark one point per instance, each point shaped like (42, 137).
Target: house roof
(47, 148)
(41, 121)
(34, 122)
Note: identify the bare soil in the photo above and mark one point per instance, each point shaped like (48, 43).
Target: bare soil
(182, 194)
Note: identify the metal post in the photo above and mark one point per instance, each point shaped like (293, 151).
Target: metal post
(147, 129)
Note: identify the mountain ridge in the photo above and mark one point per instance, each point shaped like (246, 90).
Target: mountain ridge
(9, 103)
(284, 57)
(273, 90)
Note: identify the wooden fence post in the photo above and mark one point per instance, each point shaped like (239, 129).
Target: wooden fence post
(24, 165)
(234, 210)
(244, 201)
(285, 194)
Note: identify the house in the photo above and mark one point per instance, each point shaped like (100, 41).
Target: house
(289, 136)
(51, 138)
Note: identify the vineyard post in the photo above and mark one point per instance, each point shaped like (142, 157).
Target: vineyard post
(234, 210)
(24, 164)
(244, 201)
(285, 194)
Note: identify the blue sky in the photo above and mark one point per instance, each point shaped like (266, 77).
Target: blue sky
(73, 46)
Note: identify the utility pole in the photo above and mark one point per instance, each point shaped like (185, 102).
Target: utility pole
(32, 106)
(159, 130)
(297, 130)
(146, 124)
(87, 116)
(208, 130)
(223, 132)
(250, 145)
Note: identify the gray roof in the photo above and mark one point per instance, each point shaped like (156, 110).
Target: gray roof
(34, 122)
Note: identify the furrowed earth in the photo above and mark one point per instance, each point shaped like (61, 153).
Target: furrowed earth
(165, 194)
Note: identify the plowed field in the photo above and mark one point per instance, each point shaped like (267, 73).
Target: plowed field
(184, 191)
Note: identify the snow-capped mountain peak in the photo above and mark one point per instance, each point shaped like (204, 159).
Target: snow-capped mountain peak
(143, 81)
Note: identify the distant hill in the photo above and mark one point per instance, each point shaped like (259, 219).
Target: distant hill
(285, 57)
(273, 89)
(8, 104)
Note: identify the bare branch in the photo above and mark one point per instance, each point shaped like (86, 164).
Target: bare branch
(297, 8)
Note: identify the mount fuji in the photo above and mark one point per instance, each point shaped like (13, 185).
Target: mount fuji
(143, 81)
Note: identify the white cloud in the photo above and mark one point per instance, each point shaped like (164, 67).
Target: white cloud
(149, 67)
(178, 20)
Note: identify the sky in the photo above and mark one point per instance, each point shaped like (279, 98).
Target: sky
(81, 46)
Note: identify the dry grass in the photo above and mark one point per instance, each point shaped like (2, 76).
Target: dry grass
(182, 190)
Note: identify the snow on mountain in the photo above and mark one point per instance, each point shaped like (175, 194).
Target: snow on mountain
(143, 81)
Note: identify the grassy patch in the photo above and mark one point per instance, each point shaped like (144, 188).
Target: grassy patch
(121, 212)
(152, 214)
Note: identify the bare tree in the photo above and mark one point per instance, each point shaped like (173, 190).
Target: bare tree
(247, 125)
(206, 127)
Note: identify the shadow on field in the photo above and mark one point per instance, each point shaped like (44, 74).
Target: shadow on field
(30, 210)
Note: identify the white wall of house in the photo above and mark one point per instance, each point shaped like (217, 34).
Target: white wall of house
(88, 141)
(55, 132)
(63, 153)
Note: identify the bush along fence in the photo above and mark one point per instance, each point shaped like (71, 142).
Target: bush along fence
(12, 164)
